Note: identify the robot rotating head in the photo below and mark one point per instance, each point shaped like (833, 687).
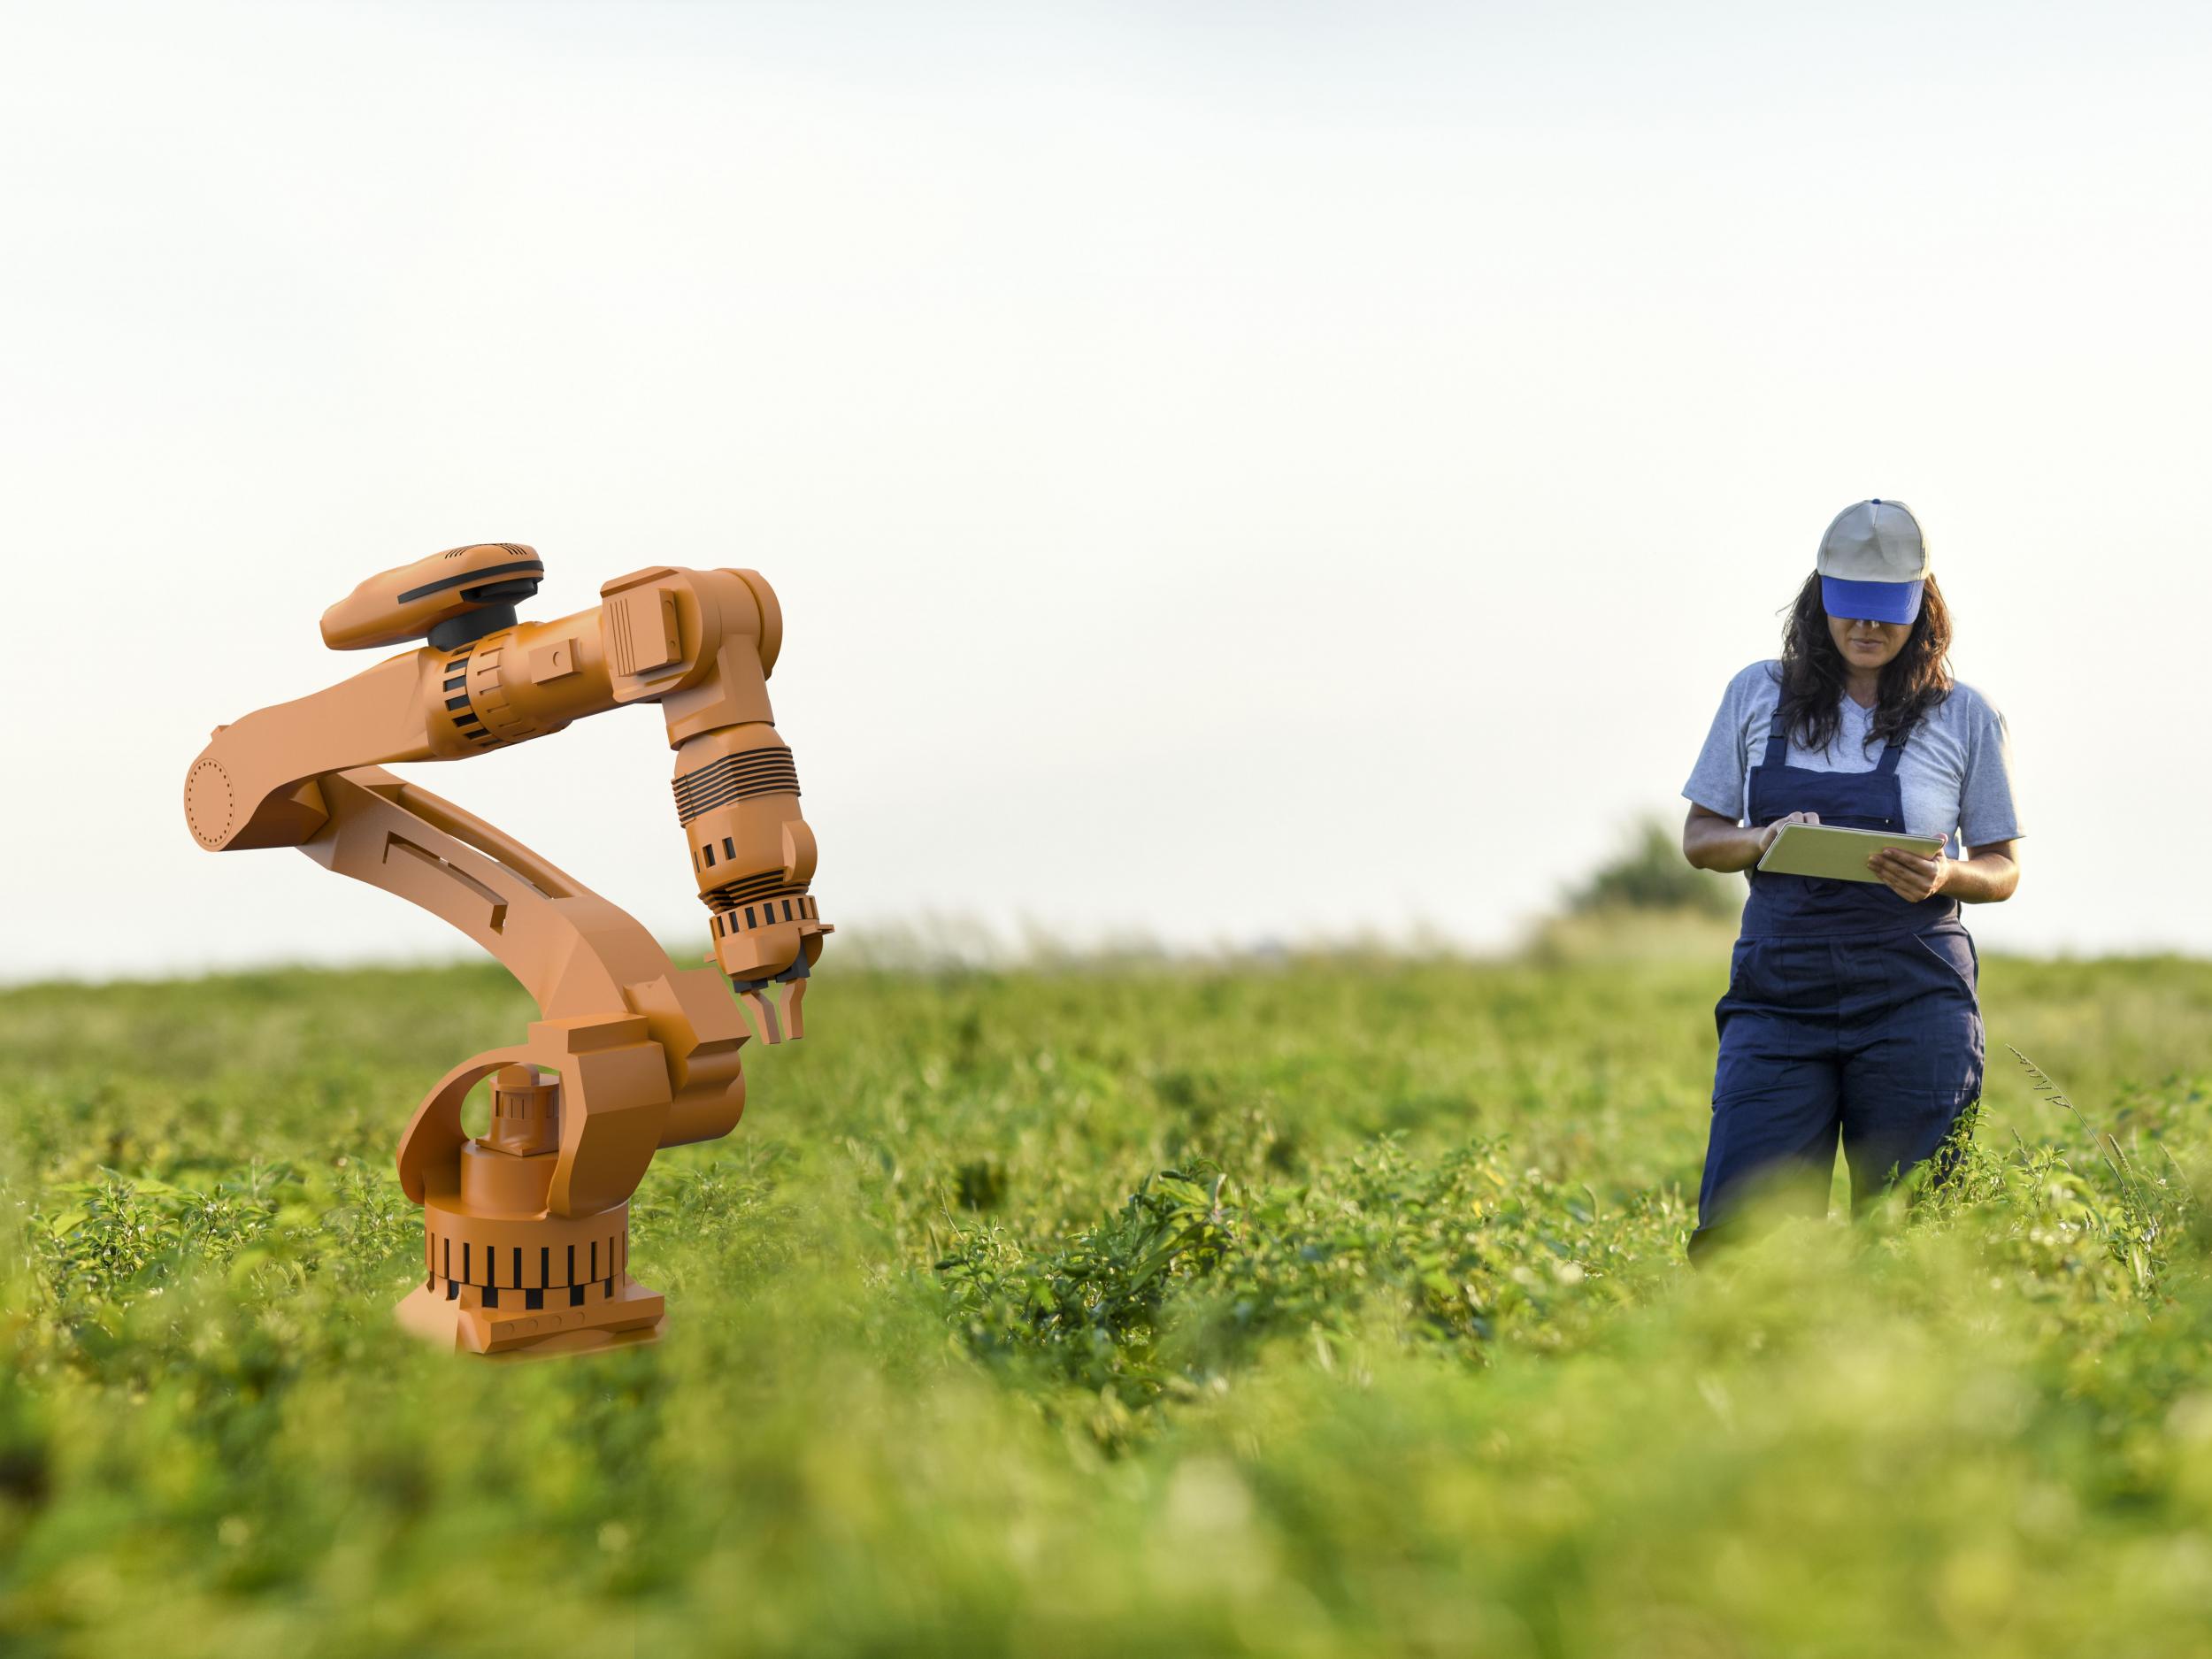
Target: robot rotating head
(449, 598)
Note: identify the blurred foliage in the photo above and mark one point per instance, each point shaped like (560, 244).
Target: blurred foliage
(1330, 1306)
(1650, 873)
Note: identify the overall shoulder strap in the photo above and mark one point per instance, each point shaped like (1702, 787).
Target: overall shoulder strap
(1892, 755)
(1777, 740)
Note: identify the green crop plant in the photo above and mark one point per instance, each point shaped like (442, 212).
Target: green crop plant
(1311, 1307)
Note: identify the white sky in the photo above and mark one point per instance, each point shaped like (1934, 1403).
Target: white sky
(1232, 472)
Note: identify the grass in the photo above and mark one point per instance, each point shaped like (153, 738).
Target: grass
(1332, 1306)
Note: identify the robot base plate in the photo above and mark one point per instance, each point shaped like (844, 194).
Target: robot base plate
(632, 1316)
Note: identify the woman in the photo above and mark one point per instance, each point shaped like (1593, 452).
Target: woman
(1851, 1006)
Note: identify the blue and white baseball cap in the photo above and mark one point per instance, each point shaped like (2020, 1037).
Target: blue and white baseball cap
(1873, 562)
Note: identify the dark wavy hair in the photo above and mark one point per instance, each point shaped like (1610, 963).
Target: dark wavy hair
(1914, 680)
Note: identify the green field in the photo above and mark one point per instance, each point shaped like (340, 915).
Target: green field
(1325, 1306)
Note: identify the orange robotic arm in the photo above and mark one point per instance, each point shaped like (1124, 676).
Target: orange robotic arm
(636, 1054)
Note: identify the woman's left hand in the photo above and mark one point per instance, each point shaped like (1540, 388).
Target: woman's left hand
(1908, 875)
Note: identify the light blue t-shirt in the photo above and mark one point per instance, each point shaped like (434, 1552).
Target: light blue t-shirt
(1955, 774)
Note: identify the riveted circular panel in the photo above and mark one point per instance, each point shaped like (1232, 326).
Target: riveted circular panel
(208, 803)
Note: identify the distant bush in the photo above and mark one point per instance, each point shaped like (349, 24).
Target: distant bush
(1651, 875)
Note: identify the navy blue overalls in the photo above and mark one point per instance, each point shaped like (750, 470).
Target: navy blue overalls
(1849, 1009)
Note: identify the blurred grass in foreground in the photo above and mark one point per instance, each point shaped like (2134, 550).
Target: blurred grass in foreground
(1330, 1307)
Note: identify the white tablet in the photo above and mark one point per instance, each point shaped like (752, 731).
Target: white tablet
(1838, 854)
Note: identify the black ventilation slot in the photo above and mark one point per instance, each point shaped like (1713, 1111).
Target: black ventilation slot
(751, 890)
(736, 778)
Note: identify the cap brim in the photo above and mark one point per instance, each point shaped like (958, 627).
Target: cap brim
(1871, 602)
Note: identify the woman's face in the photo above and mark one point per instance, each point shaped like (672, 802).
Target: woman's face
(1868, 645)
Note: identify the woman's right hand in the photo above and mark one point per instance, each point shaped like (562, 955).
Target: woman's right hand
(1767, 835)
